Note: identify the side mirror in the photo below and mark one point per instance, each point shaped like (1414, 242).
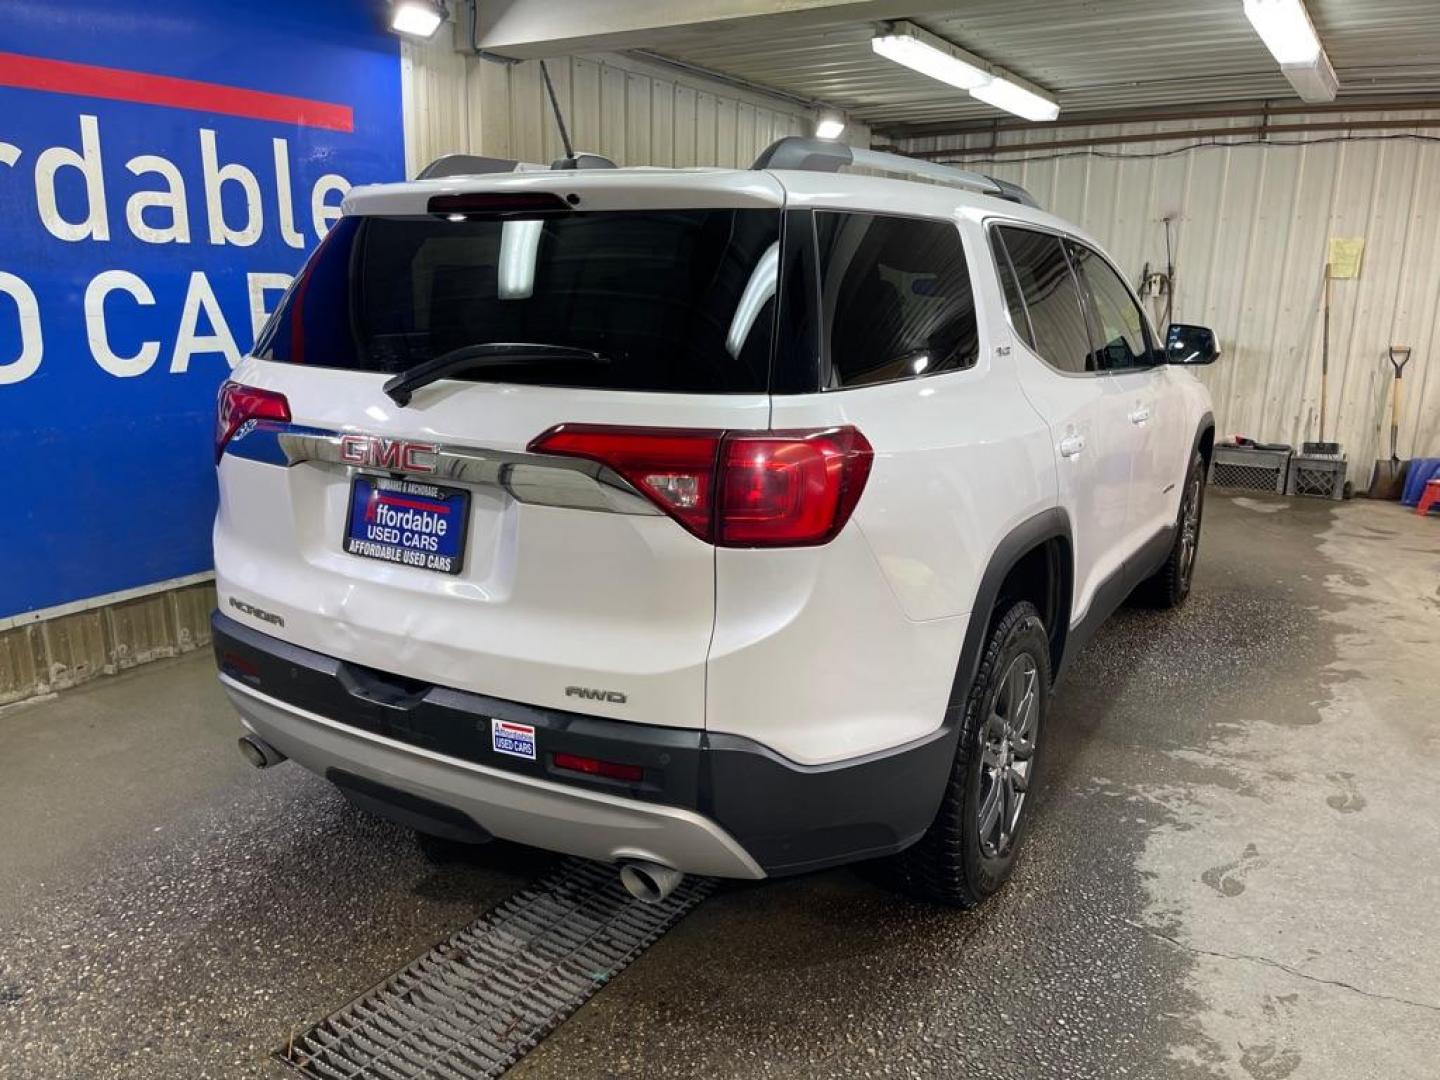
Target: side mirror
(1186, 344)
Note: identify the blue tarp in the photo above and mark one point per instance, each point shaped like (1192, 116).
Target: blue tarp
(1421, 470)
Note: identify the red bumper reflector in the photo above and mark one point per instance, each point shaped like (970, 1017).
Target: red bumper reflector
(611, 770)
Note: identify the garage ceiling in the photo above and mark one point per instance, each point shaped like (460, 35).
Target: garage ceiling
(1097, 56)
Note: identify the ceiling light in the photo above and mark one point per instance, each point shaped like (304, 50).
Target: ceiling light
(416, 18)
(1314, 81)
(1014, 98)
(829, 127)
(922, 51)
(1285, 27)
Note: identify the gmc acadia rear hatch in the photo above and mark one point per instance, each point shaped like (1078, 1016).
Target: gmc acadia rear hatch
(486, 529)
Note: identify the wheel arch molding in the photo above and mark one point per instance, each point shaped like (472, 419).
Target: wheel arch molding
(1046, 540)
(1202, 445)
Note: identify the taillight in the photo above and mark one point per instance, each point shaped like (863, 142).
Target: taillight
(738, 488)
(786, 488)
(238, 403)
(673, 469)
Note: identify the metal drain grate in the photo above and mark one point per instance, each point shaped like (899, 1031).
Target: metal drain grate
(473, 1005)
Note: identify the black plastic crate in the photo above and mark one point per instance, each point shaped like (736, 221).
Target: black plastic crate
(1321, 476)
(1250, 469)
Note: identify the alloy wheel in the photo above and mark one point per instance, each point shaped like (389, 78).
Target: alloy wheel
(1007, 755)
(1189, 529)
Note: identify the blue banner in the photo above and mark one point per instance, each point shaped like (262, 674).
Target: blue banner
(165, 167)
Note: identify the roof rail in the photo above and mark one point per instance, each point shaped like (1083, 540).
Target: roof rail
(476, 165)
(828, 155)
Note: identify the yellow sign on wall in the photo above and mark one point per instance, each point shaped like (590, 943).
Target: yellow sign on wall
(1344, 257)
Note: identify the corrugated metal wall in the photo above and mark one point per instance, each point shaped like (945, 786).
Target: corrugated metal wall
(627, 109)
(1250, 226)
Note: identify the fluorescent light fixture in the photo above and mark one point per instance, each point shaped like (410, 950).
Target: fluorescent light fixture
(1314, 81)
(922, 51)
(416, 18)
(1285, 27)
(1014, 98)
(519, 248)
(829, 127)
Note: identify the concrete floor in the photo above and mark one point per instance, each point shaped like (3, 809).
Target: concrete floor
(1232, 871)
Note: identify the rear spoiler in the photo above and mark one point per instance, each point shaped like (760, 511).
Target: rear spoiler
(476, 165)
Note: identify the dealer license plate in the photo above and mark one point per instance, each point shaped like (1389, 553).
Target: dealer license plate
(408, 522)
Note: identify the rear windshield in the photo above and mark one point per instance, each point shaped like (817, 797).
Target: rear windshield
(676, 300)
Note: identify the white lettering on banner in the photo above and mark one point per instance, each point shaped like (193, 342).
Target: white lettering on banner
(95, 225)
(32, 346)
(216, 177)
(104, 283)
(156, 211)
(324, 214)
(258, 285)
(188, 341)
(288, 232)
(172, 199)
(144, 205)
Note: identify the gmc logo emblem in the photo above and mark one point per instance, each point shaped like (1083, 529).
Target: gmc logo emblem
(397, 455)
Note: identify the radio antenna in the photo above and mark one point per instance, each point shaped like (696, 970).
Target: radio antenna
(559, 116)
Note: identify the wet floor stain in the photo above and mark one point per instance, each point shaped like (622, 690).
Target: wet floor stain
(1228, 879)
(1269, 1062)
(1347, 799)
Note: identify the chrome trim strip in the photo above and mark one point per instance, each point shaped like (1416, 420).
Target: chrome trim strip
(539, 479)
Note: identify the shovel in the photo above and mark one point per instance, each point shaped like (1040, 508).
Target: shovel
(1388, 480)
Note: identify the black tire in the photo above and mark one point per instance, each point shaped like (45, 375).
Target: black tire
(1170, 585)
(951, 864)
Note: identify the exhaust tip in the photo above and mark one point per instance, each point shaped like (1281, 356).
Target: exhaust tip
(649, 882)
(258, 752)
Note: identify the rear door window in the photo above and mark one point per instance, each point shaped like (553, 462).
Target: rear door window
(1014, 302)
(1123, 341)
(677, 300)
(1052, 298)
(895, 297)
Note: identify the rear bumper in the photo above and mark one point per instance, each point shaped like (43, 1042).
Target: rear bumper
(708, 804)
(528, 811)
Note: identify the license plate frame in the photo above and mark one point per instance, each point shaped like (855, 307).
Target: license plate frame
(414, 501)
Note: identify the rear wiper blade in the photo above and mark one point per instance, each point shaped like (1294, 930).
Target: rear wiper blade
(485, 354)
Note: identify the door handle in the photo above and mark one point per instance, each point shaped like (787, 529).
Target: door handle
(1140, 415)
(1072, 445)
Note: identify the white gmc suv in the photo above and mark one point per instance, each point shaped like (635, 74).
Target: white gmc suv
(728, 522)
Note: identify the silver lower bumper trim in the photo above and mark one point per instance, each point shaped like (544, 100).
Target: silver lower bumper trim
(519, 808)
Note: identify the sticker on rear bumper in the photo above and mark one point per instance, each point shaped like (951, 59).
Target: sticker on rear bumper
(517, 740)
